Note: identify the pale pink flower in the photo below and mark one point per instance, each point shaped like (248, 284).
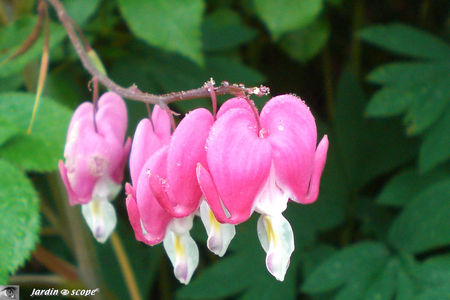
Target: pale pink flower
(95, 156)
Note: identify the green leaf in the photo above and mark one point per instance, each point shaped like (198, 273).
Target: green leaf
(305, 43)
(223, 29)
(438, 292)
(7, 130)
(419, 89)
(81, 10)
(406, 288)
(435, 148)
(399, 190)
(351, 262)
(227, 277)
(41, 150)
(406, 74)
(435, 270)
(169, 24)
(287, 15)
(383, 286)
(423, 224)
(406, 40)
(223, 68)
(369, 147)
(4, 278)
(19, 224)
(267, 288)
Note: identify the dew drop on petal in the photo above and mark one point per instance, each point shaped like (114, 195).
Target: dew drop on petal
(280, 127)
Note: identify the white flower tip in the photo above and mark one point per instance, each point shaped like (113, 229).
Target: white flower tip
(215, 246)
(181, 273)
(276, 266)
(100, 217)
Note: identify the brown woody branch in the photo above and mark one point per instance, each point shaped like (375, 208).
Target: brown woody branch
(133, 93)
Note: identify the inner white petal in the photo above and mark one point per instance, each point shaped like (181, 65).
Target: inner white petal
(277, 239)
(181, 249)
(101, 218)
(272, 198)
(219, 235)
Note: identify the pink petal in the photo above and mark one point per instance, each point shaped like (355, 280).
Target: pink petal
(117, 174)
(233, 103)
(145, 143)
(73, 199)
(320, 158)
(111, 117)
(209, 190)
(154, 218)
(161, 123)
(292, 134)
(133, 214)
(90, 160)
(187, 148)
(239, 163)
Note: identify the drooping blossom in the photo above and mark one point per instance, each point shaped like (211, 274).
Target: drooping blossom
(259, 163)
(165, 194)
(95, 156)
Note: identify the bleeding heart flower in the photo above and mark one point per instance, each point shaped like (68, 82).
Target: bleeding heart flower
(95, 156)
(148, 219)
(161, 207)
(259, 163)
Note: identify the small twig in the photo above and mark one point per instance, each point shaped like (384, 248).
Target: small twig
(55, 264)
(32, 38)
(37, 279)
(132, 93)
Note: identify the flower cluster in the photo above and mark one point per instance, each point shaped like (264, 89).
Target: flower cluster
(222, 168)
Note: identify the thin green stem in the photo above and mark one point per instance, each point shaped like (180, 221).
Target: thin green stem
(125, 266)
(355, 50)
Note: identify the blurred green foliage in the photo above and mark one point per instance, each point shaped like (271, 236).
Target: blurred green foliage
(375, 73)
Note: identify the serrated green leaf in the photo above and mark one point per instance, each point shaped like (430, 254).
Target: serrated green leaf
(223, 29)
(423, 224)
(7, 130)
(42, 149)
(351, 262)
(383, 286)
(401, 188)
(303, 44)
(435, 148)
(169, 24)
(406, 74)
(287, 15)
(406, 40)
(423, 97)
(19, 224)
(368, 147)
(390, 101)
